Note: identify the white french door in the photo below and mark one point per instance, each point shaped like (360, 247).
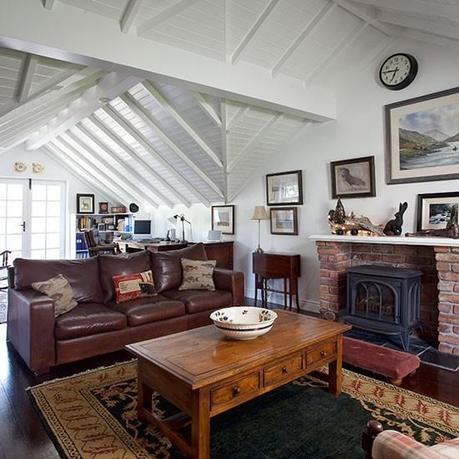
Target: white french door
(32, 218)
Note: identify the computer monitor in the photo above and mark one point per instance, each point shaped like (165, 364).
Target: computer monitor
(142, 228)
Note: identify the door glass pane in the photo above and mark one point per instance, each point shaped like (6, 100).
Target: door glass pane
(52, 253)
(38, 192)
(38, 225)
(53, 241)
(37, 254)
(38, 208)
(14, 225)
(14, 191)
(52, 225)
(14, 242)
(53, 209)
(2, 225)
(2, 208)
(54, 193)
(2, 190)
(38, 241)
(14, 208)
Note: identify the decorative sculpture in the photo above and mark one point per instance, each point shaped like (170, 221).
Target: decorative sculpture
(451, 230)
(394, 227)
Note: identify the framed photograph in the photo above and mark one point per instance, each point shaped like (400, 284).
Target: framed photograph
(422, 138)
(434, 209)
(223, 219)
(85, 203)
(284, 220)
(284, 188)
(103, 207)
(101, 227)
(353, 178)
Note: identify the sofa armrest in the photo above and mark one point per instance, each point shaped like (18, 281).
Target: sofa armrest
(231, 281)
(31, 328)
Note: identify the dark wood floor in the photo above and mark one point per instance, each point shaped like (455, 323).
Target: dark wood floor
(22, 435)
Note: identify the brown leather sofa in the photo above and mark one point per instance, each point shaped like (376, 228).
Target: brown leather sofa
(98, 325)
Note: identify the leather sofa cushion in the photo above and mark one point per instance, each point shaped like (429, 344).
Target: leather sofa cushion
(146, 310)
(83, 276)
(201, 300)
(112, 265)
(88, 319)
(167, 269)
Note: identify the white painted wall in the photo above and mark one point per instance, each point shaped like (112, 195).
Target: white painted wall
(358, 131)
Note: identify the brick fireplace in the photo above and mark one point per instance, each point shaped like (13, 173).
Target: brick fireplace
(437, 258)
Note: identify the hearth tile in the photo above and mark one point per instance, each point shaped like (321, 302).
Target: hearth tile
(439, 359)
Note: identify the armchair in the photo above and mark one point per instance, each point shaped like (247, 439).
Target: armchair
(94, 248)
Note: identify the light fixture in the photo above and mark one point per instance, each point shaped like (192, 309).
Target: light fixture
(174, 220)
(259, 213)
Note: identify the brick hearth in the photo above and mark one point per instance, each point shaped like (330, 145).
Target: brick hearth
(440, 282)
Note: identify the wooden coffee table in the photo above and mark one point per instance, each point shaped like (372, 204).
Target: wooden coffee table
(203, 373)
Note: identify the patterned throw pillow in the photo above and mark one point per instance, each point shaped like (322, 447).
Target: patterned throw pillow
(58, 289)
(197, 274)
(132, 286)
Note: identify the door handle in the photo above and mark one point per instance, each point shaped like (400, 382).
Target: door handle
(23, 224)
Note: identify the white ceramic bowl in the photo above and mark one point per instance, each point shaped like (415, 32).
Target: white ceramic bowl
(244, 322)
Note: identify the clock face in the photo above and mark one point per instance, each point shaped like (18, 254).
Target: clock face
(398, 71)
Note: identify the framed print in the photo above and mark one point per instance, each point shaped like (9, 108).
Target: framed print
(85, 203)
(103, 207)
(422, 138)
(223, 219)
(353, 178)
(284, 188)
(434, 209)
(284, 220)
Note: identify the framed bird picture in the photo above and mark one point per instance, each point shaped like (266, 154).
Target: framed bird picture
(353, 178)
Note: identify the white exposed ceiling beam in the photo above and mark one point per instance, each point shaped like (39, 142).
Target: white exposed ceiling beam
(147, 146)
(164, 15)
(345, 43)
(118, 140)
(241, 112)
(315, 21)
(224, 137)
(254, 141)
(109, 87)
(208, 109)
(25, 82)
(49, 4)
(129, 14)
(244, 43)
(121, 164)
(429, 38)
(149, 120)
(161, 100)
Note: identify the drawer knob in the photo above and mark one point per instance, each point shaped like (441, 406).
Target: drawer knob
(284, 370)
(236, 390)
(323, 353)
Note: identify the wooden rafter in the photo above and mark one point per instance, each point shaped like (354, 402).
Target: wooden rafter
(114, 137)
(27, 73)
(129, 14)
(148, 119)
(208, 109)
(161, 100)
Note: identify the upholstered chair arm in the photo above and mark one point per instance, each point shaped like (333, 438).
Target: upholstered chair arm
(231, 281)
(31, 328)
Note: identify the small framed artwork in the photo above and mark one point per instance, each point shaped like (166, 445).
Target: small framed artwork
(434, 209)
(103, 207)
(102, 227)
(353, 178)
(85, 203)
(223, 219)
(422, 138)
(284, 220)
(284, 188)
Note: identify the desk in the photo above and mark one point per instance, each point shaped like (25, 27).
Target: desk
(277, 266)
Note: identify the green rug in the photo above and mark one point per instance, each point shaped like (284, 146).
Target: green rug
(92, 415)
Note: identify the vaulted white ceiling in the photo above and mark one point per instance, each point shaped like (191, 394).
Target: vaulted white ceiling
(158, 142)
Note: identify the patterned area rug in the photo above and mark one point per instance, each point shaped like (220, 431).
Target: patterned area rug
(92, 415)
(3, 306)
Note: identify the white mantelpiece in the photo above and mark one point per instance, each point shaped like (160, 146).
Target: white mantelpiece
(394, 240)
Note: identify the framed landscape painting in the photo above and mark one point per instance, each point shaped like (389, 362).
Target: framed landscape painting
(284, 220)
(353, 178)
(422, 138)
(223, 219)
(284, 188)
(434, 209)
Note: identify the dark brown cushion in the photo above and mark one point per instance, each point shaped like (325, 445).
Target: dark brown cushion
(126, 263)
(201, 300)
(83, 276)
(88, 319)
(145, 310)
(167, 269)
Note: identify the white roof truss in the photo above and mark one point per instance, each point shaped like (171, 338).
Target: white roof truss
(129, 14)
(208, 109)
(25, 83)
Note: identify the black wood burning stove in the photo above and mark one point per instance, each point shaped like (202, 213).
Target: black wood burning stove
(384, 300)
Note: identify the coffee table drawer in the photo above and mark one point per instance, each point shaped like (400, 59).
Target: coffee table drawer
(235, 390)
(321, 352)
(282, 371)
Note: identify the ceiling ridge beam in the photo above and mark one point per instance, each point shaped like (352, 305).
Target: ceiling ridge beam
(123, 164)
(167, 13)
(149, 120)
(208, 109)
(129, 14)
(147, 146)
(244, 43)
(161, 100)
(131, 187)
(254, 141)
(312, 24)
(94, 169)
(25, 83)
(114, 137)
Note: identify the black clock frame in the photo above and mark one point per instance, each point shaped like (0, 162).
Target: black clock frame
(409, 78)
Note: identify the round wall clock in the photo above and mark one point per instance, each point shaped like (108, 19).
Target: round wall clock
(398, 71)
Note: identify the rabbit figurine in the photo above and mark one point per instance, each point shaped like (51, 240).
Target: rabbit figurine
(394, 227)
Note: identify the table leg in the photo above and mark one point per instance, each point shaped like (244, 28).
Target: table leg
(335, 373)
(285, 293)
(290, 293)
(144, 395)
(295, 291)
(200, 424)
(256, 290)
